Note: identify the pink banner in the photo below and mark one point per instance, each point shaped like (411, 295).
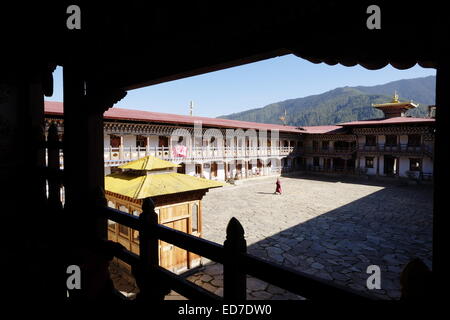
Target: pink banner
(179, 151)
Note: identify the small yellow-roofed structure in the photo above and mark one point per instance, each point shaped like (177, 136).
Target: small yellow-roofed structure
(395, 108)
(177, 198)
(153, 185)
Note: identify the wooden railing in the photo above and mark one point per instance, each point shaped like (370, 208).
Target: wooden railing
(194, 153)
(400, 148)
(154, 281)
(337, 151)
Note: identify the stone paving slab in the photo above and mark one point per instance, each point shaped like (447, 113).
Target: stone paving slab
(328, 228)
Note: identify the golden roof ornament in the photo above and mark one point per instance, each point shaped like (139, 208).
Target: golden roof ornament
(283, 118)
(395, 98)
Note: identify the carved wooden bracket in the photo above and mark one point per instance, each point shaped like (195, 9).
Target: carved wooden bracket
(47, 79)
(101, 98)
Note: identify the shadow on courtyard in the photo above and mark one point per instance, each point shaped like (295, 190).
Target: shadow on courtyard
(388, 228)
(369, 180)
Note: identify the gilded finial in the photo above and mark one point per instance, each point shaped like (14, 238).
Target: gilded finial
(395, 98)
(283, 118)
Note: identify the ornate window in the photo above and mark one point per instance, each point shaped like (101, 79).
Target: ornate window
(414, 140)
(114, 141)
(391, 140)
(316, 161)
(415, 164)
(141, 141)
(315, 145)
(371, 141)
(369, 162)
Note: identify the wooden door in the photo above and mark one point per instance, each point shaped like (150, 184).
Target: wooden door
(171, 257)
(214, 169)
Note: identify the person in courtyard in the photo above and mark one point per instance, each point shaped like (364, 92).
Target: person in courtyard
(278, 188)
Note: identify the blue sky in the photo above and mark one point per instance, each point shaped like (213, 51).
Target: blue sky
(251, 86)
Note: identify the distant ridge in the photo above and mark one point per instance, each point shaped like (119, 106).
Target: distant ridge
(343, 104)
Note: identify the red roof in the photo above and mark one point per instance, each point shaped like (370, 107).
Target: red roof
(394, 120)
(322, 129)
(56, 108)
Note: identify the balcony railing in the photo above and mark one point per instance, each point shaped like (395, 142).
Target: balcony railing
(194, 153)
(154, 281)
(400, 148)
(338, 170)
(347, 150)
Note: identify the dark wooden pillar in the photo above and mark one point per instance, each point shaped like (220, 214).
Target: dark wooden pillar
(234, 279)
(85, 101)
(441, 207)
(23, 242)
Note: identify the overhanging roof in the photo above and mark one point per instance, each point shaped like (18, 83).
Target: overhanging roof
(56, 108)
(388, 121)
(153, 185)
(139, 43)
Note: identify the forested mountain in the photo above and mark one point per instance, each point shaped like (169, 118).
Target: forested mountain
(344, 104)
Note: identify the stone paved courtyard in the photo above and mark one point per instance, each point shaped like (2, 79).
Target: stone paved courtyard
(322, 226)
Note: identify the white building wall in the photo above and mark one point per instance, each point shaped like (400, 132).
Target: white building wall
(404, 166)
(153, 141)
(207, 170)
(129, 141)
(106, 140)
(190, 169)
(427, 165)
(107, 170)
(220, 172)
(381, 164)
(371, 171)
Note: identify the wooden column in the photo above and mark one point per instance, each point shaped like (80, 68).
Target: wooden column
(23, 241)
(225, 165)
(246, 169)
(234, 279)
(441, 172)
(378, 165)
(84, 104)
(150, 287)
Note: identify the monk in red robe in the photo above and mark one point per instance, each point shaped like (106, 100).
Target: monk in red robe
(278, 189)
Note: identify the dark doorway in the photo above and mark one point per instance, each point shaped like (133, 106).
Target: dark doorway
(182, 168)
(115, 141)
(390, 165)
(338, 164)
(163, 141)
(214, 169)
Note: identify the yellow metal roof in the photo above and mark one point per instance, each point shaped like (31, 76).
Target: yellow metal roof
(406, 105)
(396, 103)
(148, 163)
(151, 185)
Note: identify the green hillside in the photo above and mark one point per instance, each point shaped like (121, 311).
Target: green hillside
(343, 104)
